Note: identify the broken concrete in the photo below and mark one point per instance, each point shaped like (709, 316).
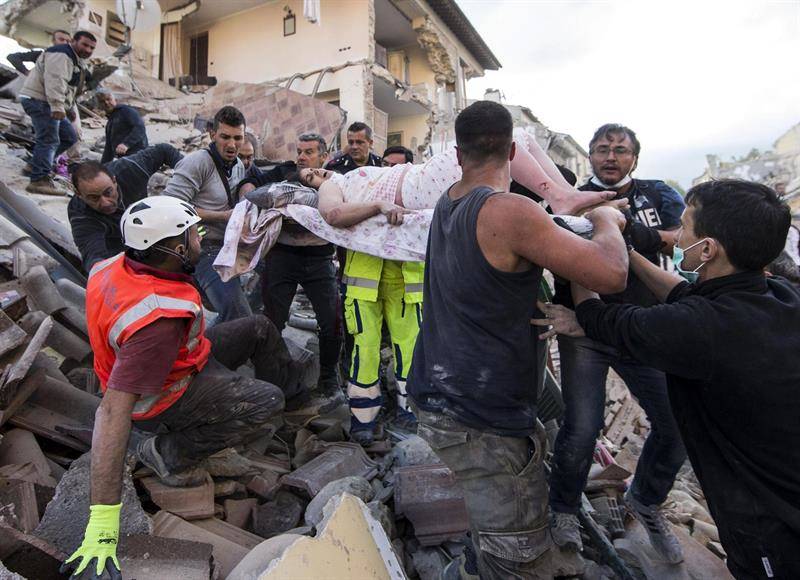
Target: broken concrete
(355, 486)
(430, 498)
(278, 516)
(350, 544)
(190, 503)
(414, 451)
(340, 460)
(156, 558)
(238, 512)
(227, 554)
(64, 521)
(260, 557)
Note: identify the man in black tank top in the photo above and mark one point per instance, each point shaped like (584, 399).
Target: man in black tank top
(473, 378)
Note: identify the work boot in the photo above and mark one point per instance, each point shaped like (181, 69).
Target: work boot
(406, 421)
(45, 186)
(149, 455)
(363, 437)
(566, 531)
(658, 528)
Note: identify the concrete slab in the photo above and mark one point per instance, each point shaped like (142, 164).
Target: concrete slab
(64, 520)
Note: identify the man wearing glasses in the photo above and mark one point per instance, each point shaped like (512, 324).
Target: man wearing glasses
(656, 209)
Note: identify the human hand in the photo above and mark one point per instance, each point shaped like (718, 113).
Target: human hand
(394, 213)
(96, 558)
(121, 149)
(559, 319)
(607, 214)
(72, 115)
(620, 204)
(58, 115)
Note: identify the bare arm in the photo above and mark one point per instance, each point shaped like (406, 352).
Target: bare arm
(341, 214)
(600, 263)
(658, 281)
(109, 443)
(209, 215)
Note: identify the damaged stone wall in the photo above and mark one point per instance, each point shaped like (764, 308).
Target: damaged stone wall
(13, 12)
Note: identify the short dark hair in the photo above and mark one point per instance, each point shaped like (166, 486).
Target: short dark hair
(785, 267)
(87, 171)
(359, 126)
(322, 146)
(615, 129)
(253, 140)
(484, 130)
(228, 115)
(56, 31)
(748, 219)
(81, 34)
(400, 149)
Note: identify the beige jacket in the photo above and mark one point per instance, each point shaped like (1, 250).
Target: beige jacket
(49, 80)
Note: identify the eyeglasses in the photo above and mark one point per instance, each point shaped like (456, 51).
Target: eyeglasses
(603, 151)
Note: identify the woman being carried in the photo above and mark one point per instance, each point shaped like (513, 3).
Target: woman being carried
(350, 205)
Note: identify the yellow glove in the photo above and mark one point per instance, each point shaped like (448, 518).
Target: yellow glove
(99, 543)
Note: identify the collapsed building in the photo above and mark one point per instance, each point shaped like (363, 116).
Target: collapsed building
(301, 501)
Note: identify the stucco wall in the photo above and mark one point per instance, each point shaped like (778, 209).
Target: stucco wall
(250, 47)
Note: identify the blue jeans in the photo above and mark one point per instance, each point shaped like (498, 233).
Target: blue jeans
(227, 298)
(584, 368)
(52, 137)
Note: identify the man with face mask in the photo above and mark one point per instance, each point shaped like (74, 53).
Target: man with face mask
(159, 367)
(728, 343)
(655, 209)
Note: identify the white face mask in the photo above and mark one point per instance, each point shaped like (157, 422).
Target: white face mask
(621, 183)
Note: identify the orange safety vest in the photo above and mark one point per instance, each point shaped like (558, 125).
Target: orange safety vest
(120, 301)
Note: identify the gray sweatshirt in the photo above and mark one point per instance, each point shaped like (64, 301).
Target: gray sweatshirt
(196, 180)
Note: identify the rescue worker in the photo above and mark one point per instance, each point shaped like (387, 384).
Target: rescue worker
(377, 290)
(157, 366)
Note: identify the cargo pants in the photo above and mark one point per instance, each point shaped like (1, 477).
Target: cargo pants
(505, 489)
(364, 319)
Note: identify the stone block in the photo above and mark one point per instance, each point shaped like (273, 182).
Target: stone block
(355, 486)
(278, 516)
(157, 558)
(190, 503)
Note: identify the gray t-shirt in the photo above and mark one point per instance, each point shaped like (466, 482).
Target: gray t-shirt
(197, 181)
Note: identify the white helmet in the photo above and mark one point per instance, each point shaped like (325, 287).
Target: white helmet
(154, 219)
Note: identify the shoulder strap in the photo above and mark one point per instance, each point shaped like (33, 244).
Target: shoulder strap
(224, 179)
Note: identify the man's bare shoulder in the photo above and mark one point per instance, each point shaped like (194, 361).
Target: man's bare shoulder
(510, 209)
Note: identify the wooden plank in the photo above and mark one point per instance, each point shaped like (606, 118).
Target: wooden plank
(18, 503)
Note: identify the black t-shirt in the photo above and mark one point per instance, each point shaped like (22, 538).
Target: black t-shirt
(655, 206)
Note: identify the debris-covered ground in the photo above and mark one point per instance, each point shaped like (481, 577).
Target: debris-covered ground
(274, 508)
